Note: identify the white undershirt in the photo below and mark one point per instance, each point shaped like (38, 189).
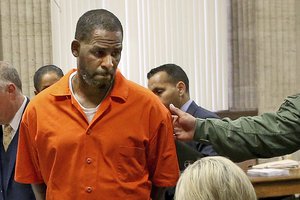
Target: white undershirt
(89, 112)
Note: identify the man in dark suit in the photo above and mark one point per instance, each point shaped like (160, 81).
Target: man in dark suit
(12, 105)
(171, 84)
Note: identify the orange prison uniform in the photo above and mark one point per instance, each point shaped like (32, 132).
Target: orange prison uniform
(127, 147)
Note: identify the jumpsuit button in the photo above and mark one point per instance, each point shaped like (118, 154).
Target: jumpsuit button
(89, 160)
(89, 189)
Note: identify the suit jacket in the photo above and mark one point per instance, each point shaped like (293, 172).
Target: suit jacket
(11, 190)
(204, 149)
(199, 112)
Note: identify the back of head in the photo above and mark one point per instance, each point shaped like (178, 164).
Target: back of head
(214, 178)
(44, 70)
(8, 74)
(96, 19)
(175, 73)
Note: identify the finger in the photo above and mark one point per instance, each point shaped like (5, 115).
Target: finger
(177, 131)
(175, 110)
(177, 136)
(174, 118)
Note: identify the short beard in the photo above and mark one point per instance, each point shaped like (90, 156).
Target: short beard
(96, 84)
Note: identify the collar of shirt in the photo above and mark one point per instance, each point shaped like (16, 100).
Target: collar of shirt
(186, 105)
(119, 89)
(17, 118)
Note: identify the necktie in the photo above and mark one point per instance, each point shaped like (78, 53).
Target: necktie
(7, 133)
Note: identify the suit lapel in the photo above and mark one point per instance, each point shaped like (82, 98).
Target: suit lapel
(192, 108)
(12, 150)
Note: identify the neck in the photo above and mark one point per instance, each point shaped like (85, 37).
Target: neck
(19, 100)
(184, 99)
(88, 96)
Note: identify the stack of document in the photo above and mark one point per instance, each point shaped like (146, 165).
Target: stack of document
(268, 172)
(276, 168)
(280, 164)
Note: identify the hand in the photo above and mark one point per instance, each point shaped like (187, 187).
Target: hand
(184, 124)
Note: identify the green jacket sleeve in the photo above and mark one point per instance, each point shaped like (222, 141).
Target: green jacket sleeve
(267, 135)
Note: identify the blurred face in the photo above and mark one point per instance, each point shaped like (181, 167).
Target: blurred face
(98, 58)
(162, 87)
(47, 80)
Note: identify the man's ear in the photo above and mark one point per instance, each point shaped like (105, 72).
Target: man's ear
(11, 88)
(181, 87)
(75, 47)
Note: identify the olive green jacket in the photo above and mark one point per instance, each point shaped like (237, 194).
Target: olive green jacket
(264, 136)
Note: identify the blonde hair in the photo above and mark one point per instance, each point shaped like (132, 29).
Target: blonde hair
(214, 178)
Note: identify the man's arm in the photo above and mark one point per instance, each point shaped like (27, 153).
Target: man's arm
(267, 135)
(39, 191)
(157, 193)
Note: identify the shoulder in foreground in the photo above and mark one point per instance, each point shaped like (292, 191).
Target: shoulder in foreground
(295, 96)
(294, 99)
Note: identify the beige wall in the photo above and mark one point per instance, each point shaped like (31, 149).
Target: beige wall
(25, 37)
(265, 53)
(297, 11)
(243, 94)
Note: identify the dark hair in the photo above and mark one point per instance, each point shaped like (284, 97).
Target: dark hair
(9, 74)
(44, 70)
(96, 19)
(175, 73)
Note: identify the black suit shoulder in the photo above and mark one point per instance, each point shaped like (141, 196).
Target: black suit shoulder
(199, 112)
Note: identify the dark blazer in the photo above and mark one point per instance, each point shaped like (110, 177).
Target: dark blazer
(204, 149)
(11, 190)
(199, 112)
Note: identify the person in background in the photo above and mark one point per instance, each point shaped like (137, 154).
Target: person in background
(214, 178)
(45, 76)
(100, 135)
(171, 84)
(265, 136)
(12, 105)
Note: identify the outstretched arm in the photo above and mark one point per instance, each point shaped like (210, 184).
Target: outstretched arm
(267, 135)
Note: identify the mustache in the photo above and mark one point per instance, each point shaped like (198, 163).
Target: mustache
(104, 72)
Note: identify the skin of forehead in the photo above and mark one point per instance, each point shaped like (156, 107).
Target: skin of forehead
(106, 37)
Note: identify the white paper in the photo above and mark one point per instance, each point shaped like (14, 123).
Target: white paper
(267, 172)
(278, 164)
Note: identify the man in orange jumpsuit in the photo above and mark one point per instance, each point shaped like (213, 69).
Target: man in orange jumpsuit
(94, 134)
